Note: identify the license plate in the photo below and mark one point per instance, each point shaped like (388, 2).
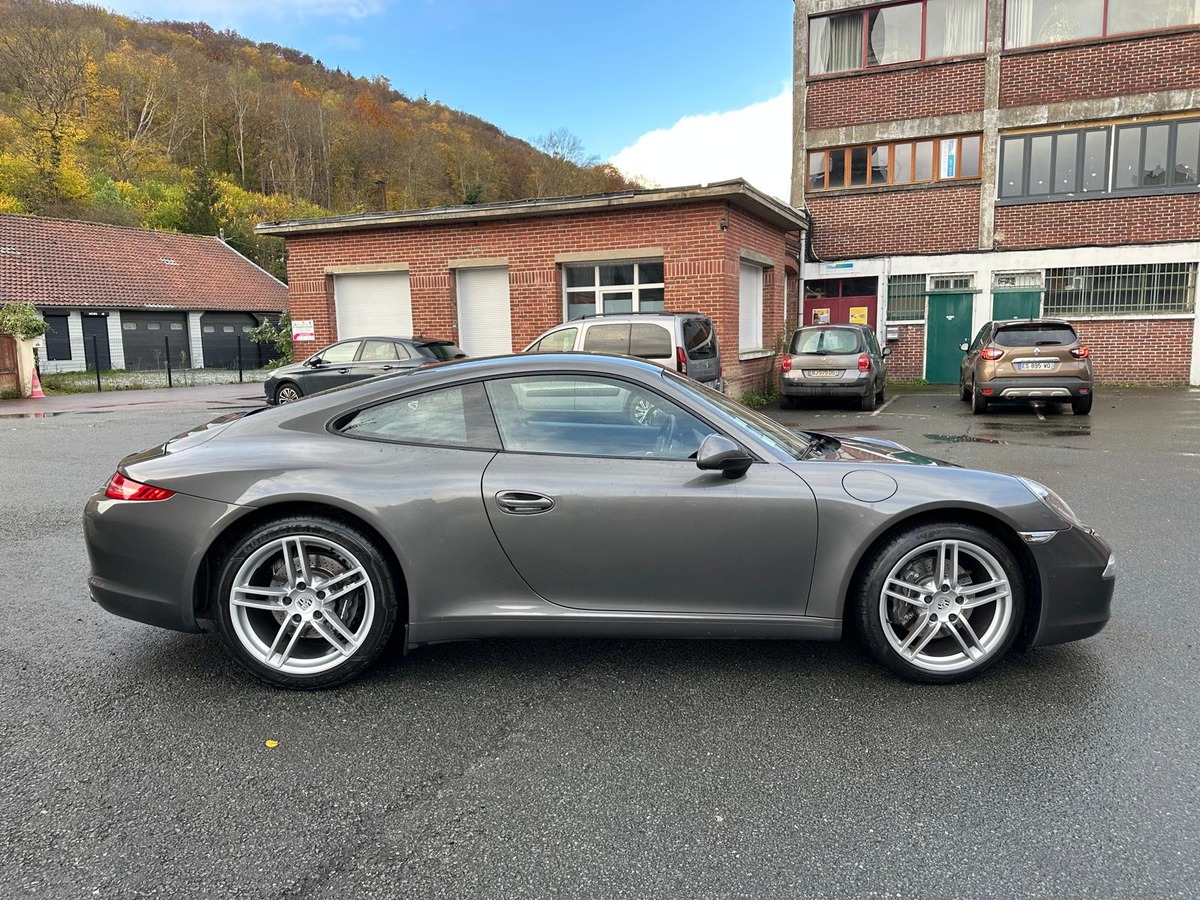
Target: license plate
(823, 373)
(1046, 366)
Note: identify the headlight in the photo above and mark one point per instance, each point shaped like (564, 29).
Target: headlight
(1051, 499)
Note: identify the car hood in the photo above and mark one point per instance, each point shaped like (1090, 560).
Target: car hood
(290, 369)
(859, 448)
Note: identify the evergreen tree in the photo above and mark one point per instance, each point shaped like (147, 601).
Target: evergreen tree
(200, 205)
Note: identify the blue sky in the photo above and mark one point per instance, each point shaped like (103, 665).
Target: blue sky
(676, 92)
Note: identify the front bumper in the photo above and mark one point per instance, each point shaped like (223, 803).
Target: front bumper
(1077, 577)
(145, 555)
(1035, 388)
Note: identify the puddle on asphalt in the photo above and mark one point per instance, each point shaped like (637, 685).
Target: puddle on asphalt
(962, 439)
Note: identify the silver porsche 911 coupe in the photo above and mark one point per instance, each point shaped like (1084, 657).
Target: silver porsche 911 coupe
(577, 495)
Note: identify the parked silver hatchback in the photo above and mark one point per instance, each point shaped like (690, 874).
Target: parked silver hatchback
(683, 341)
(834, 361)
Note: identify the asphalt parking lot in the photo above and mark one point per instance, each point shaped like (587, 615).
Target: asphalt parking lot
(134, 762)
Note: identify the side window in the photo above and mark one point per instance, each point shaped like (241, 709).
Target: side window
(401, 351)
(699, 339)
(590, 416)
(456, 416)
(341, 353)
(378, 351)
(606, 339)
(980, 339)
(557, 341)
(650, 341)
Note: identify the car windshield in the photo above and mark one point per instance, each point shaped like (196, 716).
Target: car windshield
(794, 444)
(825, 340)
(1034, 336)
(440, 350)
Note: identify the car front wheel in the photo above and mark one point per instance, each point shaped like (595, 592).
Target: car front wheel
(941, 603)
(287, 392)
(305, 602)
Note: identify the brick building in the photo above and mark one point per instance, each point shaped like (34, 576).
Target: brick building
(964, 160)
(493, 277)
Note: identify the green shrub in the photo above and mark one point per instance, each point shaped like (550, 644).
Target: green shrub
(21, 320)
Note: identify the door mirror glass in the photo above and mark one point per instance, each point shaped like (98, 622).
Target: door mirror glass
(963, 346)
(719, 453)
(887, 351)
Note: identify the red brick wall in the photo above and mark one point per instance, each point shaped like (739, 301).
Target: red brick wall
(907, 362)
(1137, 351)
(919, 92)
(1112, 68)
(934, 219)
(1149, 351)
(700, 261)
(1117, 220)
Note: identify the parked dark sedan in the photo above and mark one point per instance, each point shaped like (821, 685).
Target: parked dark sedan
(353, 360)
(516, 496)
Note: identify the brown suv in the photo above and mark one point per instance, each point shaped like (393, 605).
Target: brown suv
(1027, 359)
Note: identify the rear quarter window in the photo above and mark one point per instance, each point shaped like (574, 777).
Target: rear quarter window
(650, 341)
(457, 416)
(1035, 336)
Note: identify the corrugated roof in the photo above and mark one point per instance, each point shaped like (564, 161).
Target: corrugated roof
(58, 262)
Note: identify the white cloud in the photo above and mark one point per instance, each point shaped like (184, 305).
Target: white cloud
(754, 143)
(225, 13)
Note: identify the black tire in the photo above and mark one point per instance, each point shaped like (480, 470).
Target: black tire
(867, 402)
(1081, 405)
(979, 403)
(879, 398)
(308, 630)
(287, 392)
(964, 393)
(786, 402)
(911, 557)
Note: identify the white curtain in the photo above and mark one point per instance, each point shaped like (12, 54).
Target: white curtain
(836, 43)
(1018, 23)
(964, 27)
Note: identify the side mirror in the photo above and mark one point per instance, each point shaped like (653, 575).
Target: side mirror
(316, 362)
(887, 351)
(718, 453)
(963, 346)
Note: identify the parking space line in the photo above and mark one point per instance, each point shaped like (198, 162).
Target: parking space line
(885, 406)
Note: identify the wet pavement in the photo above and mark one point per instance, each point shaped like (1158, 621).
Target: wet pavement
(134, 761)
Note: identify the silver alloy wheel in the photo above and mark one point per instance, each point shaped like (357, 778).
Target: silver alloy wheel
(946, 606)
(287, 393)
(302, 605)
(642, 411)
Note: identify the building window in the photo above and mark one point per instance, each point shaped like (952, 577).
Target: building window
(1121, 290)
(58, 338)
(1029, 23)
(1161, 155)
(901, 162)
(750, 307)
(902, 32)
(906, 298)
(613, 288)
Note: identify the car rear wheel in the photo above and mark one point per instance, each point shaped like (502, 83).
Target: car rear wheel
(305, 602)
(1081, 405)
(868, 401)
(786, 402)
(287, 392)
(941, 603)
(979, 402)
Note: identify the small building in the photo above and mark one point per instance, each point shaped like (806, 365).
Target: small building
(984, 159)
(133, 298)
(492, 277)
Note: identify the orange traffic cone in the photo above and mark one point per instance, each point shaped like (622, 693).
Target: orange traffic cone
(36, 392)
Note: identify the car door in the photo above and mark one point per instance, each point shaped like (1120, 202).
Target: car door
(599, 512)
(966, 374)
(379, 357)
(331, 368)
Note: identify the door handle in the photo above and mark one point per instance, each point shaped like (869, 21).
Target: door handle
(387, 368)
(343, 371)
(523, 503)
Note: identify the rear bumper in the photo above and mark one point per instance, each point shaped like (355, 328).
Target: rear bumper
(1035, 388)
(833, 387)
(1077, 587)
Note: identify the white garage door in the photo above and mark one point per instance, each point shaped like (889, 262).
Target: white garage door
(378, 303)
(484, 317)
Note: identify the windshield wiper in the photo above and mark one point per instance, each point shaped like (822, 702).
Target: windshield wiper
(818, 444)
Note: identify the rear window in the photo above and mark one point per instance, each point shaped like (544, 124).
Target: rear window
(440, 350)
(826, 340)
(1035, 336)
(699, 339)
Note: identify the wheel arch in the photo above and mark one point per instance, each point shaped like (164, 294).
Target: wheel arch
(998, 528)
(208, 571)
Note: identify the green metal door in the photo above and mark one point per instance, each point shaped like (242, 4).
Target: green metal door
(1016, 304)
(948, 326)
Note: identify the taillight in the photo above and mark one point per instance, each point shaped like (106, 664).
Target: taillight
(680, 361)
(1081, 352)
(786, 365)
(122, 488)
(864, 363)
(992, 353)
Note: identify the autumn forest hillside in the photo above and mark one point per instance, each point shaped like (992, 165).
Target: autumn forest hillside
(176, 126)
